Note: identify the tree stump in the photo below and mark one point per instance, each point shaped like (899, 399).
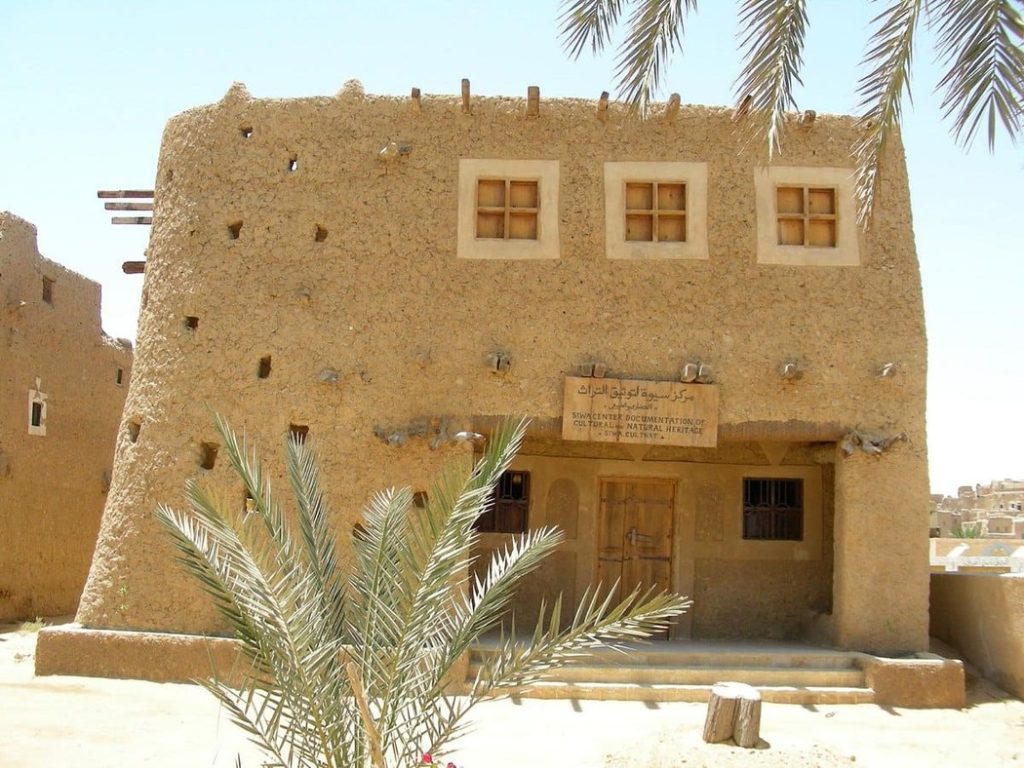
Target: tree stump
(734, 712)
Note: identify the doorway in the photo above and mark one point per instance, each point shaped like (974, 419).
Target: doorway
(634, 537)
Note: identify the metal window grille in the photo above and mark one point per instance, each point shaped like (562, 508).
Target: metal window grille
(773, 509)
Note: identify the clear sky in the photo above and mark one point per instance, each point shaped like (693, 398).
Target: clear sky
(86, 88)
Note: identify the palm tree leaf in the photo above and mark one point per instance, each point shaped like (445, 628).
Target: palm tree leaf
(655, 33)
(584, 22)
(889, 56)
(772, 39)
(981, 42)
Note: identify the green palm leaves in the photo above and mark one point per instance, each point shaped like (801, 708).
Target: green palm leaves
(350, 665)
(979, 41)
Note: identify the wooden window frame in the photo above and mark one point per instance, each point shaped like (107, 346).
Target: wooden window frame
(620, 176)
(543, 173)
(806, 216)
(507, 210)
(846, 249)
(654, 211)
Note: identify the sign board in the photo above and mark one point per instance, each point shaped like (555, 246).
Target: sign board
(648, 412)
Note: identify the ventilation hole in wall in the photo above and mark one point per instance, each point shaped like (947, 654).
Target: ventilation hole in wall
(119, 377)
(419, 499)
(246, 131)
(321, 234)
(169, 176)
(298, 432)
(48, 290)
(234, 230)
(208, 455)
(293, 163)
(191, 322)
(264, 369)
(359, 532)
(134, 427)
(249, 503)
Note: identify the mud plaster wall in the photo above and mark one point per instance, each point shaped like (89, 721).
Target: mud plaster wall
(378, 296)
(52, 486)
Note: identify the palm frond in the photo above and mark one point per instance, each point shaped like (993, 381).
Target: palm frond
(583, 22)
(981, 42)
(655, 33)
(880, 90)
(348, 667)
(772, 40)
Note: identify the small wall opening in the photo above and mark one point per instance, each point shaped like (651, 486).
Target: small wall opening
(419, 499)
(293, 163)
(119, 377)
(191, 322)
(134, 427)
(208, 455)
(37, 414)
(298, 432)
(249, 503)
(321, 234)
(234, 229)
(264, 370)
(48, 290)
(246, 131)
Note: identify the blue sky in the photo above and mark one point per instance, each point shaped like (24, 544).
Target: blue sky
(88, 86)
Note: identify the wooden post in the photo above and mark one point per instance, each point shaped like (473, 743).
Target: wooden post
(533, 101)
(465, 95)
(602, 107)
(734, 711)
(416, 98)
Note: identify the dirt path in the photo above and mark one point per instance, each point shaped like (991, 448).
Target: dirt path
(94, 723)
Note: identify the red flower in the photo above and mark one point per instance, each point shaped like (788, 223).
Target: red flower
(427, 758)
(451, 765)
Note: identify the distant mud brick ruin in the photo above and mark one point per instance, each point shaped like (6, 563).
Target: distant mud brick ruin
(63, 384)
(695, 335)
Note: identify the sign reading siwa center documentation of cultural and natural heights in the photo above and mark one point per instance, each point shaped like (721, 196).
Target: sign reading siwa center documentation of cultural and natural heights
(649, 412)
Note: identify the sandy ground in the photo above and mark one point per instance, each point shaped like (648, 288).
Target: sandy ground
(88, 723)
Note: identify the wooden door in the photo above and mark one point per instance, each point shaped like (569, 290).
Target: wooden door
(635, 534)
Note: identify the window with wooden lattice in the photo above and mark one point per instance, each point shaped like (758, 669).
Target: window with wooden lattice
(507, 209)
(510, 505)
(806, 216)
(773, 509)
(656, 211)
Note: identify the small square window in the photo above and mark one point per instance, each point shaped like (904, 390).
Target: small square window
(507, 209)
(773, 509)
(806, 216)
(510, 505)
(656, 210)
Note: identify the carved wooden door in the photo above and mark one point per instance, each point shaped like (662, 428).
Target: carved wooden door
(635, 534)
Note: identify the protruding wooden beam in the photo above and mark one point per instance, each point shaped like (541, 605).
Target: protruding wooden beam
(125, 193)
(133, 267)
(415, 96)
(743, 109)
(672, 108)
(533, 101)
(602, 107)
(128, 206)
(131, 219)
(465, 95)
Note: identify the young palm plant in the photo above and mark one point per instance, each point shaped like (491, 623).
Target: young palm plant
(349, 666)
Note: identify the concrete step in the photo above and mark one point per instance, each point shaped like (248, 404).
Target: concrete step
(702, 675)
(782, 694)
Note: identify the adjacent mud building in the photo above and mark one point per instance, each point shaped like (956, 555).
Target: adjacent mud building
(725, 374)
(62, 387)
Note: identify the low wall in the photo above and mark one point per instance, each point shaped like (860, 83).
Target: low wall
(982, 615)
